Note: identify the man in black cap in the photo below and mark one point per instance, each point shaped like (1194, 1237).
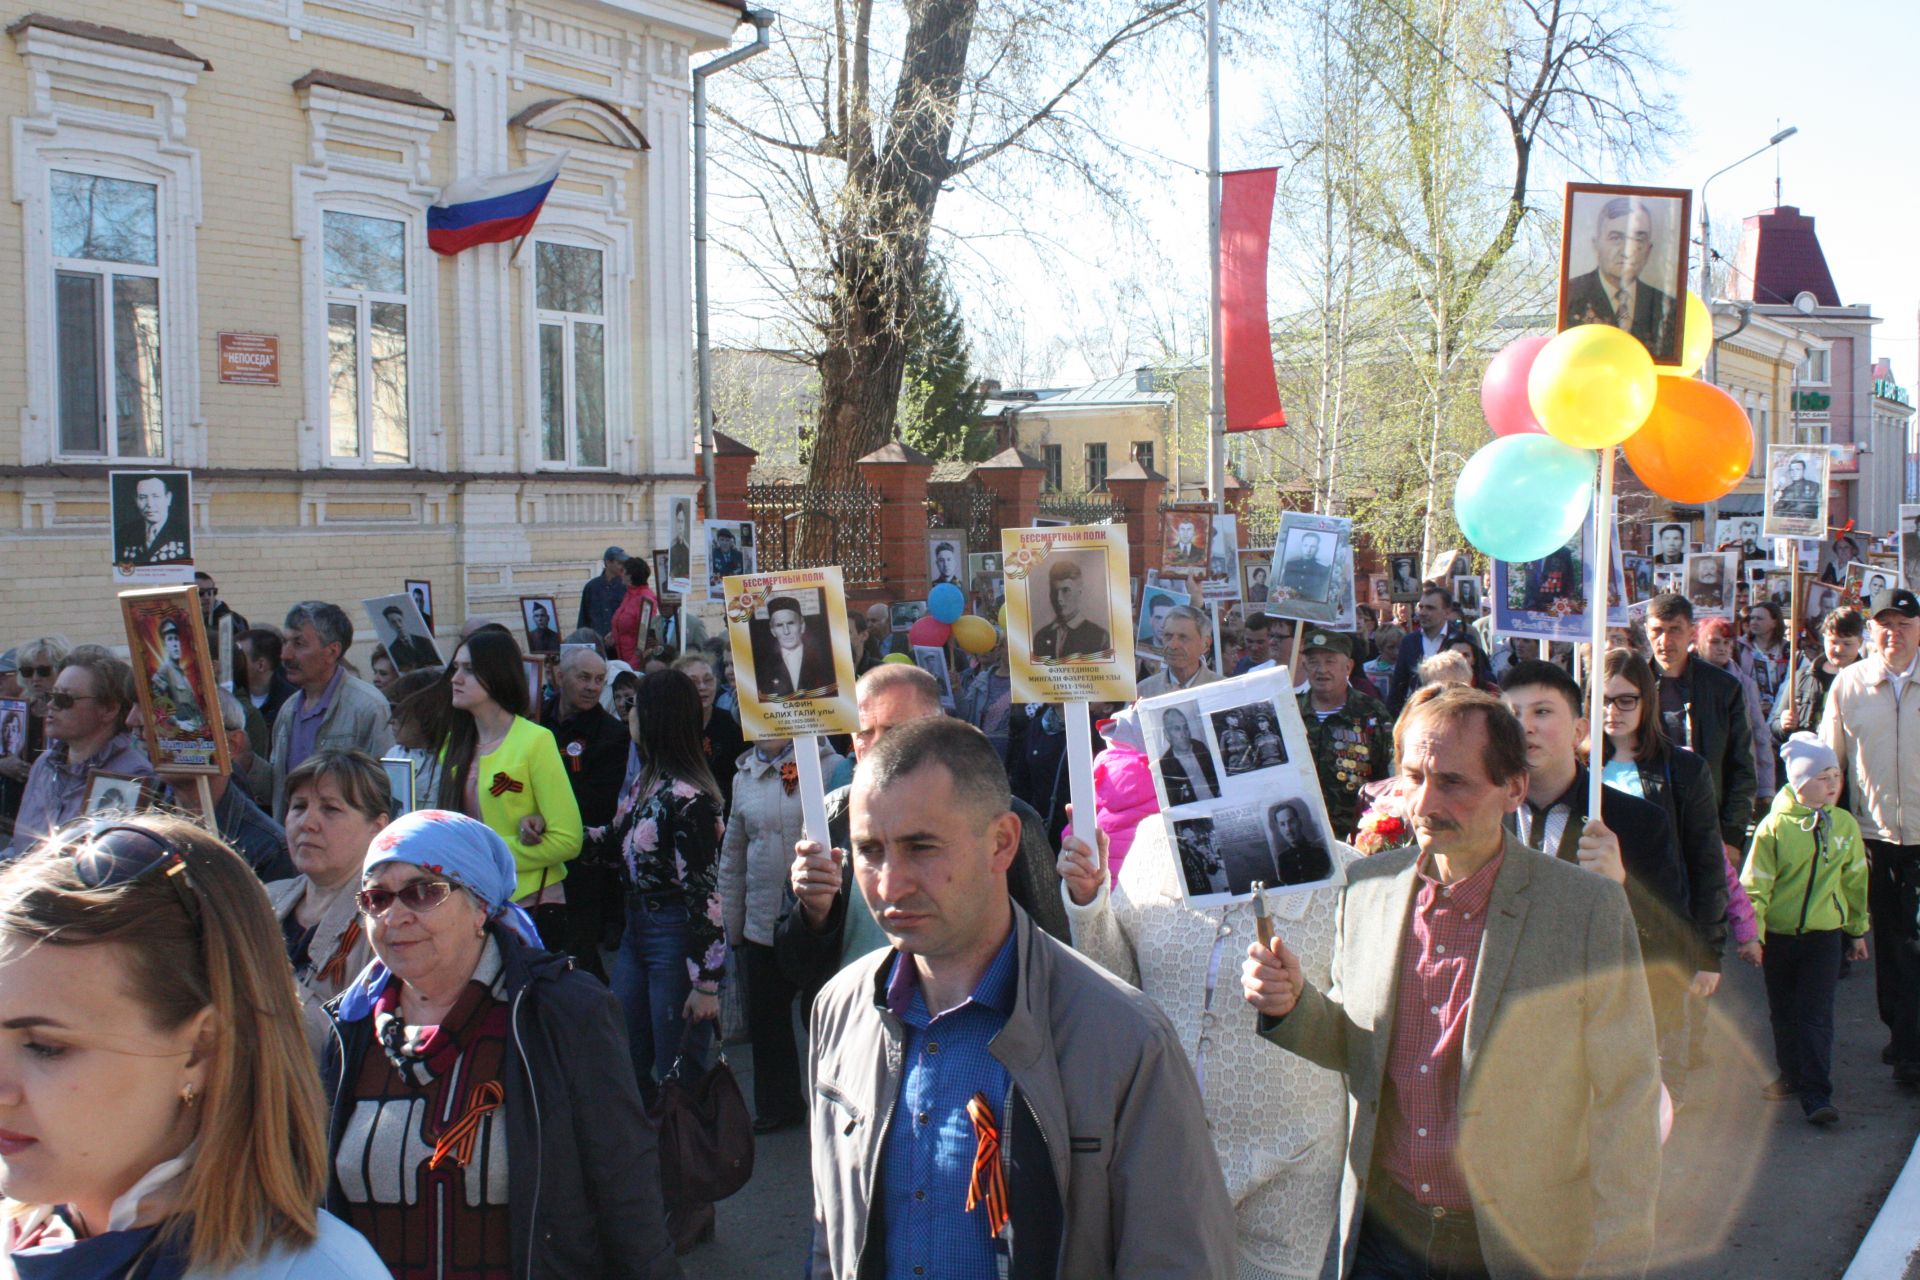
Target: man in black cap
(1865, 722)
(1349, 733)
(602, 595)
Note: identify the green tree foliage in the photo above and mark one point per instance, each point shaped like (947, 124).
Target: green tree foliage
(940, 400)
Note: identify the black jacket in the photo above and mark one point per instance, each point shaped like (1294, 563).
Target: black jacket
(1684, 790)
(1656, 884)
(593, 746)
(583, 1164)
(1717, 718)
(809, 956)
(1406, 674)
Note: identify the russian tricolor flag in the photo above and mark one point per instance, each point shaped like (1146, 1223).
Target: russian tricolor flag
(491, 210)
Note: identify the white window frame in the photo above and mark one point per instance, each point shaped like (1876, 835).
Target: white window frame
(362, 300)
(373, 158)
(69, 127)
(587, 209)
(569, 322)
(1825, 356)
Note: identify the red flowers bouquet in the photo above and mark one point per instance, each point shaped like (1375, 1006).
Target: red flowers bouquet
(1385, 824)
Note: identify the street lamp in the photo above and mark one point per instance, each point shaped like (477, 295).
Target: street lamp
(1706, 242)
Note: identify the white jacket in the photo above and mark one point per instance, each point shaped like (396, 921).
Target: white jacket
(1877, 737)
(758, 850)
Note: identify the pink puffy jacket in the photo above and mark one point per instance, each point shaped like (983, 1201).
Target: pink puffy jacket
(1123, 792)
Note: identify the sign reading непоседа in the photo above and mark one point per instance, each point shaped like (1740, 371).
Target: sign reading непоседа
(250, 359)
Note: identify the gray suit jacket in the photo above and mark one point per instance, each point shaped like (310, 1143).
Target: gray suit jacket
(1560, 1079)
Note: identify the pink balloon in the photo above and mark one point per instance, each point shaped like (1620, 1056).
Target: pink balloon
(1503, 391)
(929, 630)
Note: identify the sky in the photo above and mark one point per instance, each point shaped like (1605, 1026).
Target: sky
(1741, 70)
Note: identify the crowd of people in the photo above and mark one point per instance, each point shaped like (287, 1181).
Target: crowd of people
(1013, 1052)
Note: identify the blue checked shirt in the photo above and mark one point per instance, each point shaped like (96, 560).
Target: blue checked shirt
(928, 1161)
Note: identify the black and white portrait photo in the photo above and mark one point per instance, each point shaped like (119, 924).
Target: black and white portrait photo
(792, 647)
(1300, 856)
(1796, 491)
(1186, 766)
(400, 781)
(1739, 533)
(932, 659)
(946, 557)
(679, 545)
(537, 615)
(1466, 595)
(1255, 574)
(1909, 545)
(1200, 862)
(1249, 738)
(1623, 263)
(152, 523)
(1712, 577)
(422, 592)
(1403, 574)
(729, 552)
(1873, 581)
(1670, 543)
(114, 793)
(13, 728)
(1307, 558)
(1067, 604)
(403, 632)
(1155, 602)
(987, 586)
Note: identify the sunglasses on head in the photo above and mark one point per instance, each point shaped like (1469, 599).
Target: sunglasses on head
(106, 854)
(417, 896)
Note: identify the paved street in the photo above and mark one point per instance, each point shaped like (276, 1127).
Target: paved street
(1750, 1189)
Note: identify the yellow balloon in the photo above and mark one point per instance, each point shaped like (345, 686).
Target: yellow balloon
(1696, 343)
(1003, 616)
(1592, 386)
(974, 634)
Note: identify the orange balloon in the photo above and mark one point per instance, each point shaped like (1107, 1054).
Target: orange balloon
(1696, 444)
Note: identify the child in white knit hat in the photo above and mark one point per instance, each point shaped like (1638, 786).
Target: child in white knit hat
(1807, 878)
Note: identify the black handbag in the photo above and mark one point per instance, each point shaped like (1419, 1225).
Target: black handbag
(706, 1133)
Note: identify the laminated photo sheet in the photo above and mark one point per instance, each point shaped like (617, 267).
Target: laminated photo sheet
(1237, 789)
(793, 667)
(1546, 599)
(1069, 613)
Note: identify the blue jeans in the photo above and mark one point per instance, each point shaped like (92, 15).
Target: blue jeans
(650, 980)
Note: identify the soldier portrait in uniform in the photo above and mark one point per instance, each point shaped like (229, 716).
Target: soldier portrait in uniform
(1306, 565)
(1623, 263)
(1403, 570)
(1466, 595)
(403, 632)
(946, 559)
(174, 678)
(989, 588)
(1249, 738)
(1075, 583)
(1712, 577)
(538, 613)
(1299, 854)
(680, 549)
(1200, 864)
(152, 518)
(1796, 492)
(169, 680)
(1189, 535)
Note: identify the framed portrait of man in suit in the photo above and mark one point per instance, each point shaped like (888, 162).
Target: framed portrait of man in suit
(403, 632)
(152, 526)
(1623, 263)
(422, 592)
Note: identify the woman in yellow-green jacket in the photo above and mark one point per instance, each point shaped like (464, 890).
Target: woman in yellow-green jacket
(502, 768)
(1807, 878)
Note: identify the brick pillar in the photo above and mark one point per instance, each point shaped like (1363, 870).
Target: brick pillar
(1015, 481)
(732, 462)
(899, 474)
(1138, 491)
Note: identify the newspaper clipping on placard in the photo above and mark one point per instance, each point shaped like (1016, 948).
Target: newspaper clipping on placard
(1238, 788)
(174, 679)
(793, 666)
(1546, 599)
(1312, 577)
(1069, 619)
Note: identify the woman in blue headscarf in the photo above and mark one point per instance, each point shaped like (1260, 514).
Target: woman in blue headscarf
(457, 1063)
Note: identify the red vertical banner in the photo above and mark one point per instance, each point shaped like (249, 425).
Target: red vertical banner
(1246, 344)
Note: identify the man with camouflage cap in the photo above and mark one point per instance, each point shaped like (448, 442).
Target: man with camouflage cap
(1349, 733)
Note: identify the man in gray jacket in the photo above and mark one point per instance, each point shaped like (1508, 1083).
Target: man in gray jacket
(983, 1098)
(332, 708)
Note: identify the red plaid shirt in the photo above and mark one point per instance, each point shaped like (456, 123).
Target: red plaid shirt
(1420, 1123)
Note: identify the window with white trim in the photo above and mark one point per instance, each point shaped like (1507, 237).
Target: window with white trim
(369, 394)
(1815, 367)
(570, 300)
(106, 301)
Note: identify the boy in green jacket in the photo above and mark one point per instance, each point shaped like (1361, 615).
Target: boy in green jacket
(1807, 878)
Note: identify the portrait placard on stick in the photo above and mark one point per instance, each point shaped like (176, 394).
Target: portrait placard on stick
(1403, 577)
(678, 578)
(403, 632)
(1314, 578)
(946, 556)
(152, 526)
(422, 592)
(1908, 542)
(1069, 633)
(1712, 577)
(1797, 491)
(174, 677)
(792, 664)
(1237, 788)
(1623, 263)
(730, 552)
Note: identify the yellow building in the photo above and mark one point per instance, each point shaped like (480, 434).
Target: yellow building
(1080, 434)
(221, 264)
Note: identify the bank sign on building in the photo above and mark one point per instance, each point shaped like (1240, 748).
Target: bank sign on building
(215, 258)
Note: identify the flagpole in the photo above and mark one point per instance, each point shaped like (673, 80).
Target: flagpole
(1216, 377)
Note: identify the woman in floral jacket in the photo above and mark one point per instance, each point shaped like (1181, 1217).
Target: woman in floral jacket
(666, 836)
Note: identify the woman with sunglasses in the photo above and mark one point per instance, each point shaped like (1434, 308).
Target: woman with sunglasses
(665, 836)
(1642, 761)
(337, 802)
(159, 1113)
(502, 768)
(485, 1120)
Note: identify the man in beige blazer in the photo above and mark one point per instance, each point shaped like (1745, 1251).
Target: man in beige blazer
(1488, 1010)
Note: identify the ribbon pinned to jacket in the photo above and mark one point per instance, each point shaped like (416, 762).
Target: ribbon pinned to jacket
(503, 784)
(459, 1138)
(989, 1183)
